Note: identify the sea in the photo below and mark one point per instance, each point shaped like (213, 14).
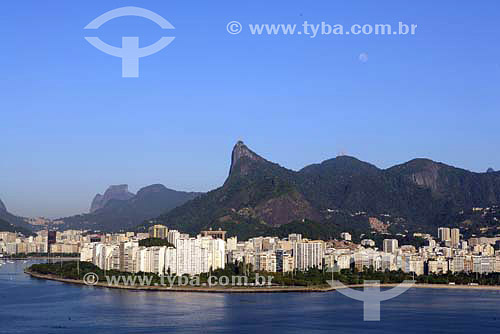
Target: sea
(30, 305)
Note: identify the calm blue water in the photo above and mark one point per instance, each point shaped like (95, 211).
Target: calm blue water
(30, 305)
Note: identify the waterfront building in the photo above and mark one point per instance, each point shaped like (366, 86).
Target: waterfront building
(438, 266)
(308, 254)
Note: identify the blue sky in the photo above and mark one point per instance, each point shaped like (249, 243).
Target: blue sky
(71, 125)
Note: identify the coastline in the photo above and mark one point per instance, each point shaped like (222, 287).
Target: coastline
(65, 258)
(273, 289)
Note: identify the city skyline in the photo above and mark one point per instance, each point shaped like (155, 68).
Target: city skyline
(162, 250)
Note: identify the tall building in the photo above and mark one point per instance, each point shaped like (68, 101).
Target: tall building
(455, 237)
(199, 255)
(444, 234)
(172, 236)
(308, 254)
(266, 261)
(170, 260)
(284, 261)
(390, 246)
(126, 255)
(51, 239)
(158, 231)
(157, 260)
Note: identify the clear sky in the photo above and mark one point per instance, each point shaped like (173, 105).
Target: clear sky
(71, 125)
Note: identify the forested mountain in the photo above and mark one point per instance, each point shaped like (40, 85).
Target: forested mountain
(260, 197)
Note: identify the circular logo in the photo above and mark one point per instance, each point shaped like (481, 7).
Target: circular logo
(90, 279)
(234, 27)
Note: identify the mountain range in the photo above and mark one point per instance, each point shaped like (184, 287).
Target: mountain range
(118, 209)
(321, 200)
(11, 223)
(261, 197)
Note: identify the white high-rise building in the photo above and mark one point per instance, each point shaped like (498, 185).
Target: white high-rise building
(199, 255)
(171, 260)
(308, 254)
(172, 236)
(188, 251)
(86, 252)
(142, 260)
(157, 260)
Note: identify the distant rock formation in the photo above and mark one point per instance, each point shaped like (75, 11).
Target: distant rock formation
(118, 212)
(115, 192)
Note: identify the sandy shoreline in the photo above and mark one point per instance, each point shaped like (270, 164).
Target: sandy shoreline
(274, 289)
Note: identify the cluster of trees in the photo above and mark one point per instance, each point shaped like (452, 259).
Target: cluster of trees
(30, 255)
(154, 242)
(461, 279)
(310, 277)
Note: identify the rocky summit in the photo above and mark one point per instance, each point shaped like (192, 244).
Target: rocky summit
(116, 192)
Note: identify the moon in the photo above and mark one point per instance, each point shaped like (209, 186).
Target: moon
(363, 57)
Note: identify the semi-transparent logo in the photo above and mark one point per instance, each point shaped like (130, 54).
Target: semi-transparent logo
(371, 295)
(130, 52)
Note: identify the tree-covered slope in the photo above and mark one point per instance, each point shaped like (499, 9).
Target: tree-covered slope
(261, 197)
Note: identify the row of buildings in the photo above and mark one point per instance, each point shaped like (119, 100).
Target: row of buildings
(190, 256)
(211, 250)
